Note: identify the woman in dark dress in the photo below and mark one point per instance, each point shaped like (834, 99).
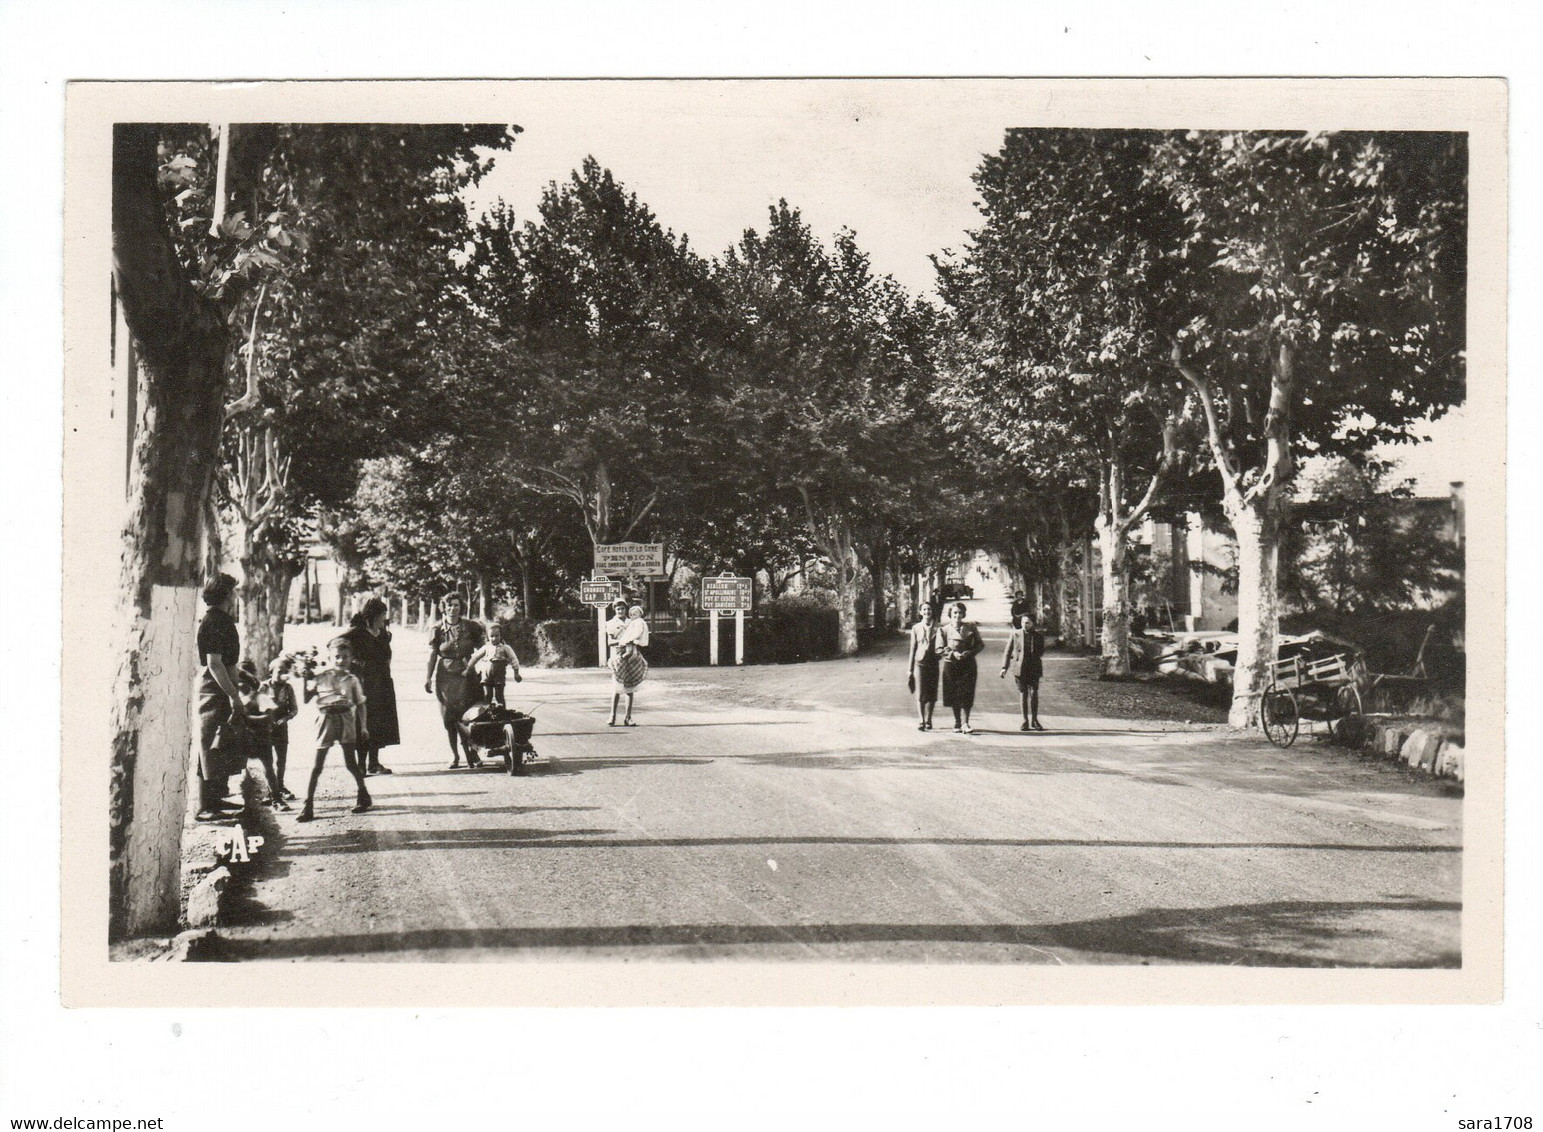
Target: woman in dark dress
(958, 642)
(450, 676)
(372, 664)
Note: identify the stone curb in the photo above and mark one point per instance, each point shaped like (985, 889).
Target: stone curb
(1424, 747)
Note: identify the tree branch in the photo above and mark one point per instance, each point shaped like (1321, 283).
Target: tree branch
(1221, 451)
(250, 399)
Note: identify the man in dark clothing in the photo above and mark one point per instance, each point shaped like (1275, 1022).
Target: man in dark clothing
(219, 649)
(1021, 605)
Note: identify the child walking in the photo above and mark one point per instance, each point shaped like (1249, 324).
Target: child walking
(492, 662)
(340, 719)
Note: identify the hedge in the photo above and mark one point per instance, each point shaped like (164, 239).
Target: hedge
(783, 632)
(567, 644)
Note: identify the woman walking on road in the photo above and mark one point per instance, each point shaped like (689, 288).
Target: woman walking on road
(1025, 647)
(922, 666)
(450, 677)
(959, 641)
(628, 667)
(371, 642)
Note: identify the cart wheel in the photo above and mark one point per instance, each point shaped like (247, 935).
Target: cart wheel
(516, 760)
(1279, 717)
(1350, 722)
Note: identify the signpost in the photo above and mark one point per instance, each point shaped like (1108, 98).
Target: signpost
(645, 559)
(726, 592)
(600, 592)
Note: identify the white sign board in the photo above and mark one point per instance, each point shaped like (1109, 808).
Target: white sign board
(726, 592)
(645, 559)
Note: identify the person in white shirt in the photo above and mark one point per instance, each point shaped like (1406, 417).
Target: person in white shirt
(340, 719)
(493, 662)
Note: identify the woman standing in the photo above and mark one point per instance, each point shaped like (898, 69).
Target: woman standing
(922, 666)
(628, 667)
(372, 663)
(959, 641)
(450, 676)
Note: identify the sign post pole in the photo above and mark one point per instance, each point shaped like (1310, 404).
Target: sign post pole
(712, 637)
(739, 636)
(600, 628)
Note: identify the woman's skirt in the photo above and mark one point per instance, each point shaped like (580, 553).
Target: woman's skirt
(925, 670)
(455, 694)
(628, 669)
(958, 680)
(380, 693)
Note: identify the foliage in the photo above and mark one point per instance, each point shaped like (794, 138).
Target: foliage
(1060, 308)
(1346, 250)
(825, 416)
(603, 334)
(1365, 545)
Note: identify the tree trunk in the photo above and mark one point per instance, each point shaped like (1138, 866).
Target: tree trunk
(267, 576)
(846, 608)
(527, 593)
(1116, 612)
(340, 620)
(1257, 526)
(181, 341)
(880, 603)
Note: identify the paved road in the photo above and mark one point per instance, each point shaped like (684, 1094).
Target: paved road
(796, 813)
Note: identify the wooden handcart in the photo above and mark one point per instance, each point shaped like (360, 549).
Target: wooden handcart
(1320, 689)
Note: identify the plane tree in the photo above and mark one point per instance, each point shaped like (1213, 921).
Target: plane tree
(1061, 311)
(1326, 291)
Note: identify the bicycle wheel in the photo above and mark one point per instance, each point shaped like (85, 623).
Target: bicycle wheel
(1279, 717)
(1349, 725)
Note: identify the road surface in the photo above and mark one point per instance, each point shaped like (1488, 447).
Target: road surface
(795, 813)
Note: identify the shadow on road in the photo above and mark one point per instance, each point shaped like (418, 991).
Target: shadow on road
(1283, 934)
(499, 838)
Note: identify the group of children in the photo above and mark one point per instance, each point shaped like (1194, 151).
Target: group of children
(341, 719)
(341, 711)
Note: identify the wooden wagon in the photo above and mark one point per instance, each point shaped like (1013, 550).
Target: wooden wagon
(1318, 688)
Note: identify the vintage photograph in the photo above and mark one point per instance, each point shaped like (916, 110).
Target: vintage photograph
(867, 525)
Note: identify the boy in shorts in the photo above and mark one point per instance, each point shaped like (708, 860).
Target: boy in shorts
(340, 719)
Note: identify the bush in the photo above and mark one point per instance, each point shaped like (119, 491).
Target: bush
(793, 629)
(520, 635)
(566, 644)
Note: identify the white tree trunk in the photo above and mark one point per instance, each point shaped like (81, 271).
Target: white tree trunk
(1257, 527)
(153, 739)
(264, 603)
(1115, 636)
(846, 608)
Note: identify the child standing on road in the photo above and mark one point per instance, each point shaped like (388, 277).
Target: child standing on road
(340, 719)
(1022, 657)
(261, 714)
(492, 662)
(281, 692)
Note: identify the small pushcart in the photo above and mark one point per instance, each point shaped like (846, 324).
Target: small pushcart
(1318, 687)
(491, 729)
